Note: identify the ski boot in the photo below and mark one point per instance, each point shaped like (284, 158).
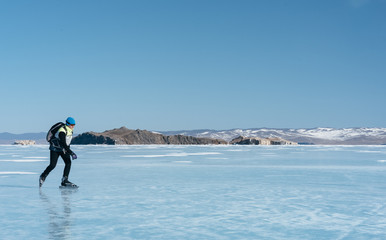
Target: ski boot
(67, 184)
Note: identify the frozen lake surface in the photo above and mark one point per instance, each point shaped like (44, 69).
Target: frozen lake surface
(196, 192)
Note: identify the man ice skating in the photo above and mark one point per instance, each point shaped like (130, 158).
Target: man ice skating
(60, 146)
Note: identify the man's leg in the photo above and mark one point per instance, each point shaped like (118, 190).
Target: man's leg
(66, 172)
(67, 164)
(53, 161)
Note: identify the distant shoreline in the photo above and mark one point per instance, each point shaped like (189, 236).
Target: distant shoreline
(304, 136)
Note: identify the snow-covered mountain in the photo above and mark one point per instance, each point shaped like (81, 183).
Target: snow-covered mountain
(345, 136)
(350, 136)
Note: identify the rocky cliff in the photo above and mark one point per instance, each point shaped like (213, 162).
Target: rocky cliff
(133, 137)
(261, 141)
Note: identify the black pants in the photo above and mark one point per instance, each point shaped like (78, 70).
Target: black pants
(54, 160)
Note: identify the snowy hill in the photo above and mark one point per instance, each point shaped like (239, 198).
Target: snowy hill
(345, 136)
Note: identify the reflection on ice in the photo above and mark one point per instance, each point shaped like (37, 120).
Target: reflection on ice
(59, 214)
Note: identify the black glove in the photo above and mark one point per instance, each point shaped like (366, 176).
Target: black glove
(73, 155)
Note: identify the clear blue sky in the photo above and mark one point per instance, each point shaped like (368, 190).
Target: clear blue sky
(192, 64)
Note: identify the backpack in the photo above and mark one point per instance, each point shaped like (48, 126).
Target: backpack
(53, 130)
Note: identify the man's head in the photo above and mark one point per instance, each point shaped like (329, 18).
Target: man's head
(70, 122)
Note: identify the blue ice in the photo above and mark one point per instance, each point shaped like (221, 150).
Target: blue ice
(196, 192)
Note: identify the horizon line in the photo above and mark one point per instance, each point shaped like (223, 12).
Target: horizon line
(208, 129)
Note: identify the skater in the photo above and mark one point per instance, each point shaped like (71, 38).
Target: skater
(60, 146)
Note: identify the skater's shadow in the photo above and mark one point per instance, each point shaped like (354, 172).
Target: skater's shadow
(59, 214)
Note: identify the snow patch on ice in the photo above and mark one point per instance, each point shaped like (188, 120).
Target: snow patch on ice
(20, 173)
(22, 160)
(237, 150)
(183, 154)
(368, 151)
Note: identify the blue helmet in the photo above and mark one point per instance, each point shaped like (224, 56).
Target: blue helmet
(70, 121)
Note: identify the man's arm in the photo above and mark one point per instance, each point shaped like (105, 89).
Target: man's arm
(62, 139)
